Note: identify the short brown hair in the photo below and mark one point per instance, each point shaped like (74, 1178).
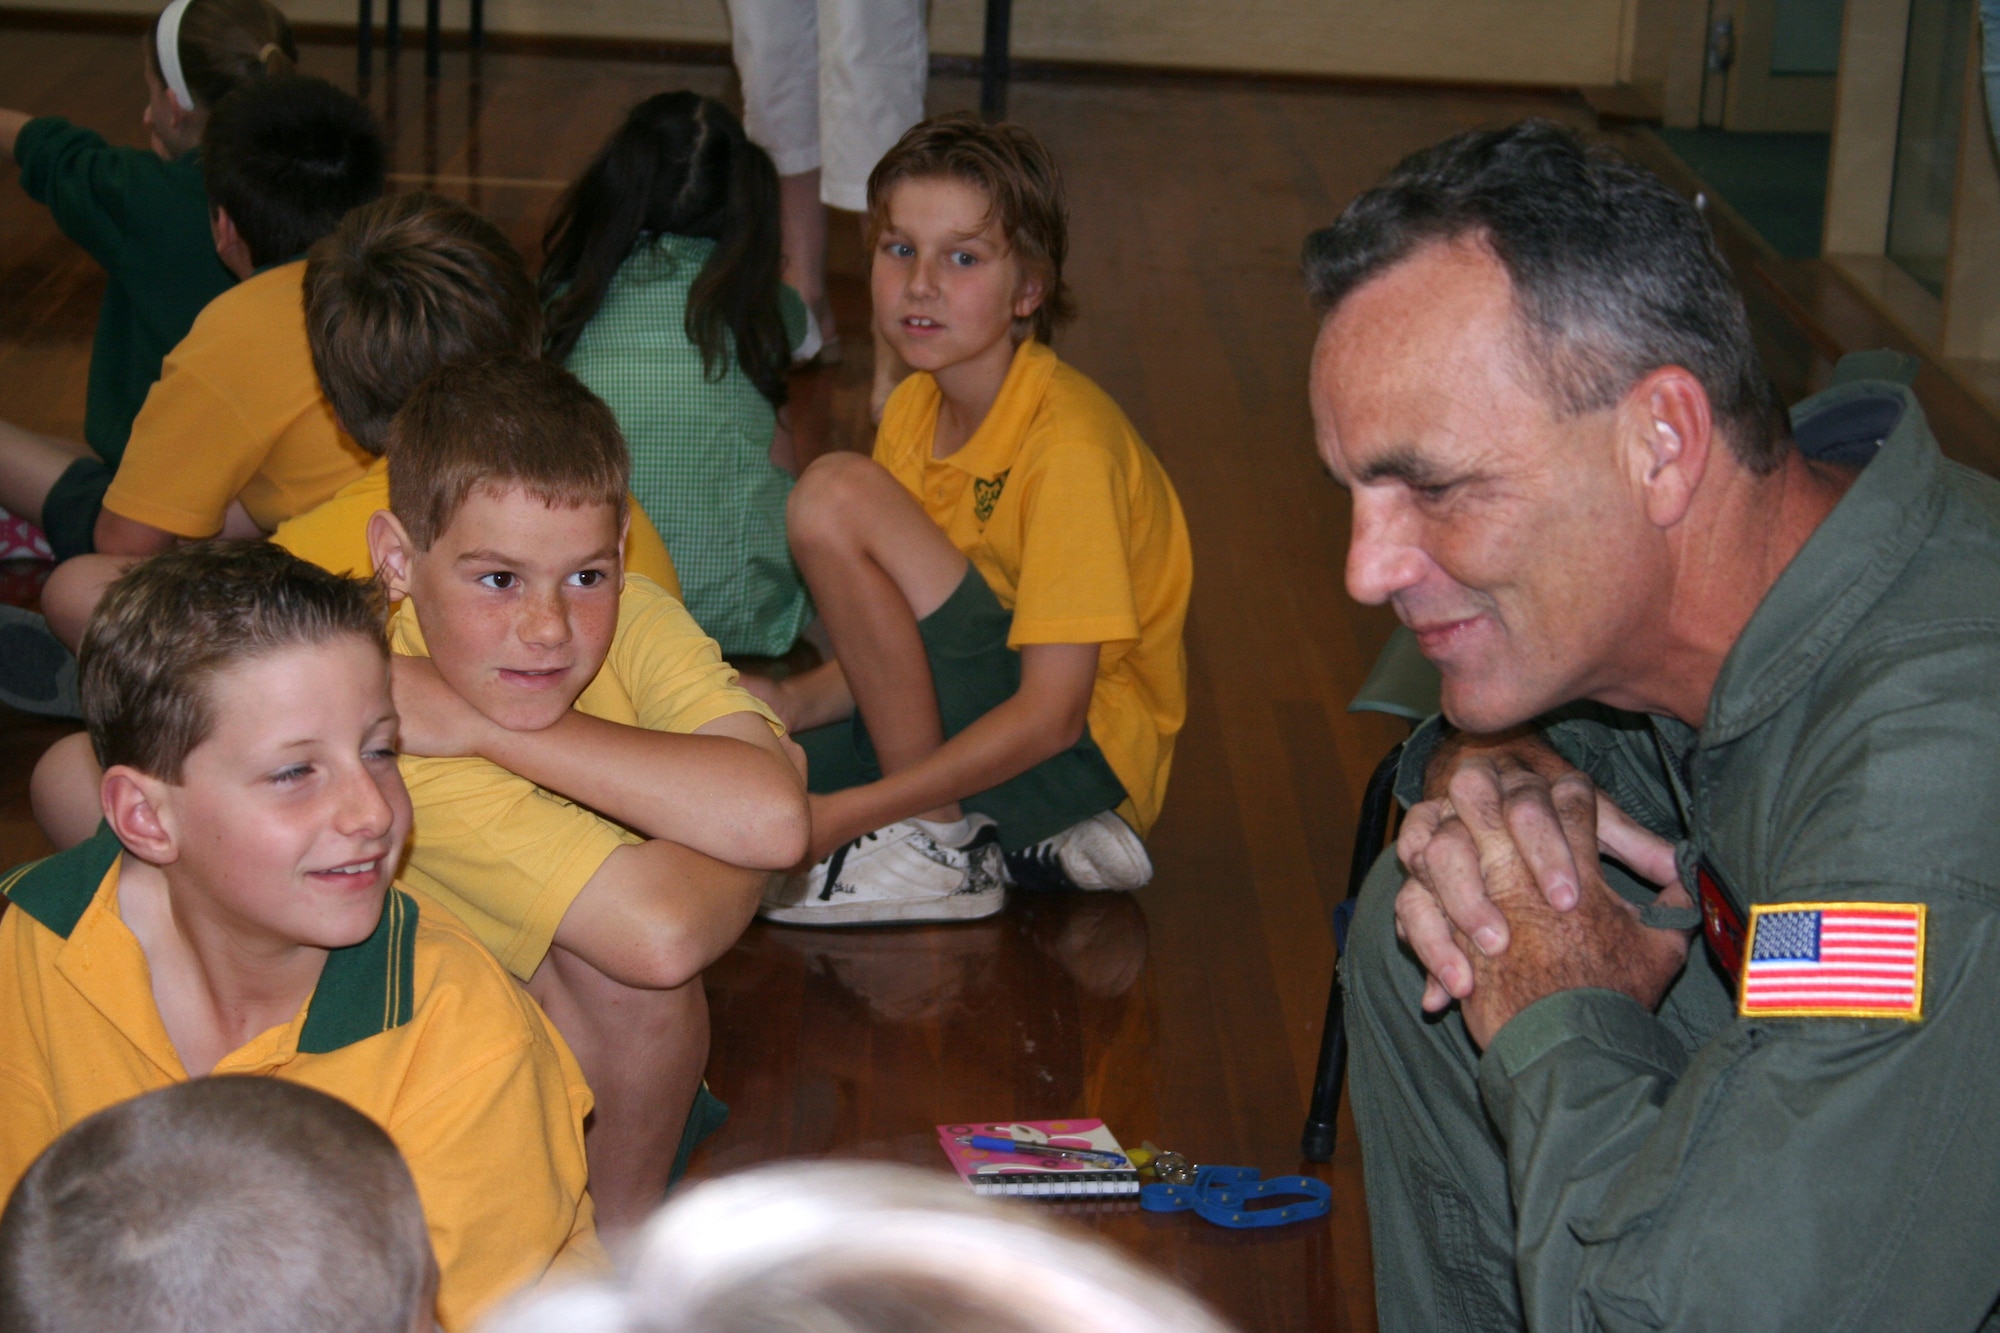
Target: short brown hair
(236, 1204)
(402, 286)
(1022, 186)
(177, 619)
(491, 425)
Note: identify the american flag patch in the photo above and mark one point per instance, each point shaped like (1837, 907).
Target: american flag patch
(1845, 960)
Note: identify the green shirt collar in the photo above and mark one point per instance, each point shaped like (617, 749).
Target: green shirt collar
(1844, 568)
(364, 989)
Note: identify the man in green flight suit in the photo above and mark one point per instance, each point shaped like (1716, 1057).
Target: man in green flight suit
(1676, 1007)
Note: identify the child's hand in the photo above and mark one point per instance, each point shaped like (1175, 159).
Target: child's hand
(437, 722)
(770, 693)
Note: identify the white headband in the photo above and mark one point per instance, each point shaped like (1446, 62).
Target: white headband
(168, 39)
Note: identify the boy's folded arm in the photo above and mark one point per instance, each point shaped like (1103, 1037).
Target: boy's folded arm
(1048, 713)
(727, 790)
(656, 914)
(116, 534)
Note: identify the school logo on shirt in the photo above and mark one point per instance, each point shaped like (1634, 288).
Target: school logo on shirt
(986, 494)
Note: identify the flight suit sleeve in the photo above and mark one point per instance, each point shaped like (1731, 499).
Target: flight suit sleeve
(1794, 1172)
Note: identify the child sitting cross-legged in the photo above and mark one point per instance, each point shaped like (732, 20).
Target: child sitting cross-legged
(1004, 583)
(219, 1205)
(238, 915)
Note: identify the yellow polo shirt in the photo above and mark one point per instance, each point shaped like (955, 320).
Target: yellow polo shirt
(1073, 523)
(416, 1027)
(237, 413)
(509, 857)
(334, 535)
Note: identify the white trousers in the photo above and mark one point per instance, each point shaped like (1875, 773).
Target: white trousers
(830, 84)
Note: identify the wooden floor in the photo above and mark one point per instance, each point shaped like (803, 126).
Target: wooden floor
(1189, 1013)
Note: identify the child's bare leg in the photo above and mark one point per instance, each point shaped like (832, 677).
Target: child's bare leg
(74, 589)
(876, 565)
(642, 1052)
(802, 223)
(30, 463)
(63, 791)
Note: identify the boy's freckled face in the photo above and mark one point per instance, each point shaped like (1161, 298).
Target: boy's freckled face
(291, 815)
(518, 601)
(947, 285)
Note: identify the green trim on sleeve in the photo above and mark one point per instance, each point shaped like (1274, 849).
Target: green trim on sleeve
(366, 989)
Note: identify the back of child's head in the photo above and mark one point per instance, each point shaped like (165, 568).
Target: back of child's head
(221, 1205)
(286, 157)
(1023, 189)
(680, 165)
(222, 45)
(854, 1247)
(401, 287)
(166, 627)
(511, 422)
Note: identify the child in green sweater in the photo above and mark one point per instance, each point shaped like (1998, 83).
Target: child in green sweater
(143, 215)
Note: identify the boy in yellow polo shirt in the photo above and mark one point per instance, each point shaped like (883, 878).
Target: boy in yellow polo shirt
(405, 285)
(1005, 582)
(594, 795)
(237, 915)
(235, 436)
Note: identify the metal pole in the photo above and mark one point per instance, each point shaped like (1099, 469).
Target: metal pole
(993, 60)
(478, 24)
(364, 39)
(392, 27)
(433, 38)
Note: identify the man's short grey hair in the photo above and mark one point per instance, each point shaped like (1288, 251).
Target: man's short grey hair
(1614, 274)
(221, 1205)
(833, 1247)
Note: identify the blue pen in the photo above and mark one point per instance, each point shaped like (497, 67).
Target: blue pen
(991, 1144)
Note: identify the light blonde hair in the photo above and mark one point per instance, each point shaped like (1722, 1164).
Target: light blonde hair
(851, 1247)
(222, 1205)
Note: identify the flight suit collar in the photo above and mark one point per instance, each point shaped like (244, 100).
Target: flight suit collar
(363, 990)
(1844, 568)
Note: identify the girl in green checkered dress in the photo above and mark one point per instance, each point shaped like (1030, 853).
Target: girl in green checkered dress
(663, 292)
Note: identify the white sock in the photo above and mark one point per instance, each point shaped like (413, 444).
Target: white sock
(953, 834)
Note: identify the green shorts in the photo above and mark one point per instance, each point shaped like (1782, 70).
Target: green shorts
(69, 514)
(974, 672)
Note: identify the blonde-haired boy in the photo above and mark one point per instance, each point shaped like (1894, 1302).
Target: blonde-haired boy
(1005, 582)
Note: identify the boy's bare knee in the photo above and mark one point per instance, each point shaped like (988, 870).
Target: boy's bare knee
(63, 791)
(833, 497)
(74, 589)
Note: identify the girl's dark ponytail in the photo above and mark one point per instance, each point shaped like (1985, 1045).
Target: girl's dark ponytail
(680, 164)
(737, 290)
(226, 43)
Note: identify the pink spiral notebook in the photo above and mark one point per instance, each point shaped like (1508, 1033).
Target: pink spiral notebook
(1012, 1173)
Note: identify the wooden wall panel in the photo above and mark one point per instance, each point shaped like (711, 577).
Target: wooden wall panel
(1537, 42)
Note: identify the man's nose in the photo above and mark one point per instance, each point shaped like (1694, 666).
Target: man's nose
(1382, 558)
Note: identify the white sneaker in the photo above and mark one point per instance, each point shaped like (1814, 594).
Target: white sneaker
(900, 873)
(1101, 852)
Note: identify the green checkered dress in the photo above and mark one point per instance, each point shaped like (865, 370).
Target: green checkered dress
(701, 449)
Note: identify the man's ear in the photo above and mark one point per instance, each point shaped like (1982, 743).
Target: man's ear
(1668, 434)
(139, 810)
(229, 243)
(392, 553)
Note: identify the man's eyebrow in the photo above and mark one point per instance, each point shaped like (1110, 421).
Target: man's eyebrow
(1402, 463)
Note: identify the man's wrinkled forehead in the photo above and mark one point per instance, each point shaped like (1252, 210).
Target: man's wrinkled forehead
(1428, 342)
